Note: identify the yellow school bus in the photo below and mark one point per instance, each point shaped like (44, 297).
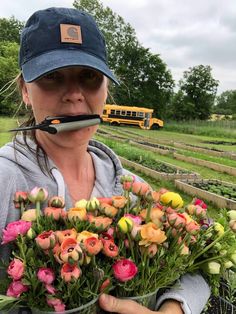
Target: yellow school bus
(142, 117)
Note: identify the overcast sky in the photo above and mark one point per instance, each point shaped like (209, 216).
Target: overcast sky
(185, 33)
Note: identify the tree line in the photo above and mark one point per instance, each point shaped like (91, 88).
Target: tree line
(145, 80)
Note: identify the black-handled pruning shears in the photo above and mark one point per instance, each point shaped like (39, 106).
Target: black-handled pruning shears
(58, 124)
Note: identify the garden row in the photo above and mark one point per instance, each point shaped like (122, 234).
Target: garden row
(221, 194)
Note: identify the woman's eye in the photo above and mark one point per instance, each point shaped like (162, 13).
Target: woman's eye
(90, 78)
(54, 76)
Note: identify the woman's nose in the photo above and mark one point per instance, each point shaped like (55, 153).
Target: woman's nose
(73, 91)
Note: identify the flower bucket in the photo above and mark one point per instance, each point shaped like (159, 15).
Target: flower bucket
(148, 300)
(88, 308)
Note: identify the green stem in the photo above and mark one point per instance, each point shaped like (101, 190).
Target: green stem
(210, 259)
(37, 205)
(131, 246)
(210, 245)
(148, 216)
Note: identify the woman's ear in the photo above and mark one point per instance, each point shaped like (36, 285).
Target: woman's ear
(25, 94)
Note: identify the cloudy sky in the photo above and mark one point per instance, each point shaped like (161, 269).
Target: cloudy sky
(185, 33)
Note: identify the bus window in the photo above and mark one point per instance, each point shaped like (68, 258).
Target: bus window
(128, 113)
(104, 111)
(133, 114)
(112, 111)
(141, 114)
(123, 113)
(118, 112)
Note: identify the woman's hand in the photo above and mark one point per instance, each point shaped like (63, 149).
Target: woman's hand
(121, 306)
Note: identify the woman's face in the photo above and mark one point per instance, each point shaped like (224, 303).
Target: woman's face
(70, 91)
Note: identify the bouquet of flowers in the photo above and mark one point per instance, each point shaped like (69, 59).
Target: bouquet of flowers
(129, 245)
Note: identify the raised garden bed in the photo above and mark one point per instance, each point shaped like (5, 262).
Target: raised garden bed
(162, 170)
(220, 193)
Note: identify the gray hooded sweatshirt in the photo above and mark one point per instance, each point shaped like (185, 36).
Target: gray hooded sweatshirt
(19, 171)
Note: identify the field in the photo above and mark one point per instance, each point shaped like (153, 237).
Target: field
(211, 143)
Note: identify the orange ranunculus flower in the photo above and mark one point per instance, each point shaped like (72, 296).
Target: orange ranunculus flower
(93, 245)
(150, 233)
(55, 212)
(46, 240)
(155, 215)
(192, 227)
(153, 196)
(63, 234)
(71, 250)
(70, 272)
(140, 188)
(119, 201)
(108, 210)
(110, 248)
(82, 236)
(77, 213)
(100, 222)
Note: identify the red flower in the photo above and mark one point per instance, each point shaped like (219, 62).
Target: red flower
(124, 270)
(109, 248)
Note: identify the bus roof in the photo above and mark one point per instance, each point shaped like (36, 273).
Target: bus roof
(131, 108)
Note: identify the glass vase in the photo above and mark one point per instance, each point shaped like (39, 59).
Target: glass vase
(88, 308)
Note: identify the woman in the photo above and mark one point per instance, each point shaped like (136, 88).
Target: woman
(64, 72)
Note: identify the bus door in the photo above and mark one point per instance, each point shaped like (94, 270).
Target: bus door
(147, 120)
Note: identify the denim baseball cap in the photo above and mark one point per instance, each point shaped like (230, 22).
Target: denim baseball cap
(57, 38)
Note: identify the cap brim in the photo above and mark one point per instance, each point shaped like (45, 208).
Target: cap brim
(58, 59)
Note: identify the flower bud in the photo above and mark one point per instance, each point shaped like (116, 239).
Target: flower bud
(213, 268)
(125, 224)
(232, 225)
(233, 258)
(31, 234)
(219, 229)
(92, 204)
(228, 264)
(57, 202)
(232, 214)
(38, 195)
(81, 203)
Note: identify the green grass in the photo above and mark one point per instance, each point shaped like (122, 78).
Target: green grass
(5, 125)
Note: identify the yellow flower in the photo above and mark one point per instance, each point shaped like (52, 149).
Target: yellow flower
(172, 199)
(125, 224)
(77, 213)
(29, 215)
(219, 229)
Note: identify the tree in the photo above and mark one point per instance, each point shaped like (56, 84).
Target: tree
(9, 98)
(144, 77)
(226, 103)
(200, 89)
(10, 29)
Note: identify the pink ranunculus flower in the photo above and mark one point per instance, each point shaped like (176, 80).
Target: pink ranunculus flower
(55, 212)
(46, 275)
(124, 270)
(57, 304)
(136, 219)
(16, 288)
(16, 269)
(14, 229)
(200, 202)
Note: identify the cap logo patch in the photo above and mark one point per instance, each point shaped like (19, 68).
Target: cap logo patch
(70, 34)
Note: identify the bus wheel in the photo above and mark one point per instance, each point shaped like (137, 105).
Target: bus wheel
(114, 123)
(155, 127)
